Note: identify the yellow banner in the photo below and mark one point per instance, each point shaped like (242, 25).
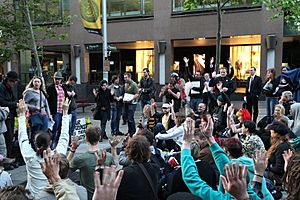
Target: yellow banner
(90, 11)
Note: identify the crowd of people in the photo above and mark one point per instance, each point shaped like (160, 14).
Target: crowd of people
(198, 145)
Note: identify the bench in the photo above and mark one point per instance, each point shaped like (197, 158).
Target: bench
(82, 103)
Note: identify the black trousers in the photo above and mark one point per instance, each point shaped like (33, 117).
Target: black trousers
(252, 102)
(9, 135)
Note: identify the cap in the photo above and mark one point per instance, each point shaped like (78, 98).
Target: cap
(57, 75)
(174, 74)
(165, 105)
(12, 76)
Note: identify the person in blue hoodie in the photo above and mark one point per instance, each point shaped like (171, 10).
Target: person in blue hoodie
(199, 187)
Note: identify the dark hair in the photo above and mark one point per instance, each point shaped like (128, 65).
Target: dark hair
(93, 135)
(292, 174)
(250, 125)
(253, 68)
(127, 74)
(146, 69)
(138, 149)
(173, 83)
(279, 127)
(273, 72)
(42, 142)
(114, 78)
(149, 135)
(233, 146)
(64, 166)
(72, 78)
(180, 116)
(103, 82)
(15, 193)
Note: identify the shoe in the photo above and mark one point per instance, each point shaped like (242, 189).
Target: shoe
(119, 133)
(15, 164)
(9, 160)
(105, 137)
(8, 167)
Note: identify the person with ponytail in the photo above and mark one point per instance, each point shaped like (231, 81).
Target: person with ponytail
(33, 156)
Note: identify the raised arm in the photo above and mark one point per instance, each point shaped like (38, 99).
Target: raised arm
(63, 141)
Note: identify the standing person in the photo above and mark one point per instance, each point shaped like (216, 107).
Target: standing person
(72, 95)
(131, 94)
(197, 86)
(253, 90)
(116, 105)
(269, 90)
(103, 98)
(180, 85)
(56, 95)
(147, 89)
(36, 101)
(227, 83)
(7, 99)
(172, 93)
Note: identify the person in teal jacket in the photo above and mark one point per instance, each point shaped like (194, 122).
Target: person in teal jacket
(199, 187)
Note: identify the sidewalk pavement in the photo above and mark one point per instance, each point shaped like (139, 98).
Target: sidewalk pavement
(19, 175)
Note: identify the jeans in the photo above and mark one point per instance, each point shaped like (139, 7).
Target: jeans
(194, 103)
(57, 118)
(271, 102)
(104, 119)
(3, 151)
(9, 135)
(115, 119)
(72, 122)
(159, 128)
(130, 109)
(143, 103)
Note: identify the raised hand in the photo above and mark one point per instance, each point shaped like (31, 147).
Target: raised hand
(186, 60)
(51, 166)
(74, 143)
(114, 141)
(101, 157)
(260, 162)
(229, 61)
(189, 129)
(207, 129)
(235, 181)
(65, 106)
(108, 190)
(22, 107)
(286, 156)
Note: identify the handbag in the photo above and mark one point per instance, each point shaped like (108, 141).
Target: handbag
(148, 179)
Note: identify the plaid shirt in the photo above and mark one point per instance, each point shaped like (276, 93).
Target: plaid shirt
(60, 97)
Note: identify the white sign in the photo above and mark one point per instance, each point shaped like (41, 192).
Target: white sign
(195, 84)
(80, 128)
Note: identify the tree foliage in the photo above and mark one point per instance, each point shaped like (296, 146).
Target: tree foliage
(15, 24)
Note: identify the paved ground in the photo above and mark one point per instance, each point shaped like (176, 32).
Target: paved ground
(19, 175)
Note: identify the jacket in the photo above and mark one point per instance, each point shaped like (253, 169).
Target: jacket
(118, 92)
(199, 187)
(255, 88)
(52, 98)
(36, 101)
(269, 89)
(70, 88)
(221, 159)
(36, 180)
(51, 191)
(103, 99)
(8, 99)
(149, 89)
(3, 116)
(226, 81)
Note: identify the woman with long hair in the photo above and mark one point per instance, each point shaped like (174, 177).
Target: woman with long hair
(36, 101)
(279, 144)
(269, 90)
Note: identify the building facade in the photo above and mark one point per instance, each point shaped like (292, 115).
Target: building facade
(158, 33)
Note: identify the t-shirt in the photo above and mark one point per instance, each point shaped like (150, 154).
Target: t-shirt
(5, 179)
(165, 120)
(86, 162)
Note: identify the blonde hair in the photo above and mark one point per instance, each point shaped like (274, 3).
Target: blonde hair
(275, 142)
(282, 109)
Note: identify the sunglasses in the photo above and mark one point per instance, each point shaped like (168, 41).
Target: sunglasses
(165, 108)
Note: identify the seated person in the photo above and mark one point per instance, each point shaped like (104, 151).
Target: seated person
(173, 137)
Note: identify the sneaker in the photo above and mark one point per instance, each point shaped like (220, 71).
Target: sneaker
(8, 167)
(9, 160)
(119, 133)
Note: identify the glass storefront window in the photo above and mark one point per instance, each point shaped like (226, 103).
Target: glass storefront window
(194, 5)
(243, 58)
(118, 8)
(144, 59)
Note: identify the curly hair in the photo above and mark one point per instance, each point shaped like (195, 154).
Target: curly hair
(138, 149)
(292, 177)
(275, 142)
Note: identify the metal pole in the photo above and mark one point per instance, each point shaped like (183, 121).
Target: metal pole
(104, 38)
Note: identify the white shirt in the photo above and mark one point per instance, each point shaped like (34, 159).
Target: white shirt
(175, 133)
(36, 180)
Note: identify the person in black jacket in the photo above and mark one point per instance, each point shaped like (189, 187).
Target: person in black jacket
(269, 90)
(279, 144)
(253, 90)
(7, 99)
(72, 95)
(103, 98)
(146, 88)
(227, 83)
(56, 95)
(197, 86)
(140, 179)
